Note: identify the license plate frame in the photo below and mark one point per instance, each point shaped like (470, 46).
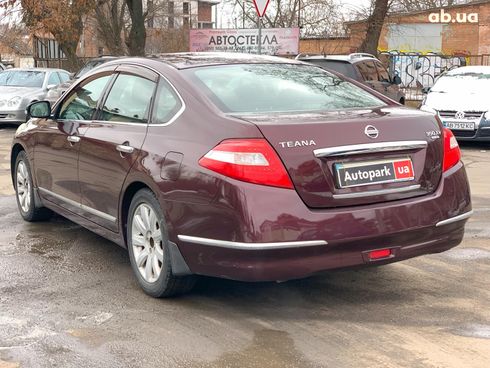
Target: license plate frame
(387, 171)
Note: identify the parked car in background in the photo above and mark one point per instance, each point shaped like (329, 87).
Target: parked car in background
(364, 68)
(55, 93)
(460, 99)
(20, 87)
(245, 167)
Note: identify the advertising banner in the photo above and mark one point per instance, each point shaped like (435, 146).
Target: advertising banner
(275, 41)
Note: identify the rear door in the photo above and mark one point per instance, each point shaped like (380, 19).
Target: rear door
(112, 143)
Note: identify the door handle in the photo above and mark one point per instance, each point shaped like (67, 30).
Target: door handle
(73, 139)
(123, 148)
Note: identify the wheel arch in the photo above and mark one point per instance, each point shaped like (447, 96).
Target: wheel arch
(179, 265)
(16, 149)
(126, 198)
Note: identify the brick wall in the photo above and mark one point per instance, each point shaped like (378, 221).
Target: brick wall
(204, 12)
(325, 46)
(457, 38)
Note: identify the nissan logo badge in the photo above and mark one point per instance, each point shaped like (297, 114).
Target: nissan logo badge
(371, 131)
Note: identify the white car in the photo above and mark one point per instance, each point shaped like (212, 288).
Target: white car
(460, 99)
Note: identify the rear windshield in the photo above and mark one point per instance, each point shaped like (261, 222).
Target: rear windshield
(260, 88)
(22, 78)
(341, 67)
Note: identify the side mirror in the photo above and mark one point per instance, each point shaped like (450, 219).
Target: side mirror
(397, 80)
(425, 90)
(39, 109)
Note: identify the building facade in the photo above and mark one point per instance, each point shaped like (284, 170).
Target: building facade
(452, 30)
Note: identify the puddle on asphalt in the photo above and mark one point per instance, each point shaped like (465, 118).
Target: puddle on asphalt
(467, 254)
(474, 330)
(42, 245)
(269, 348)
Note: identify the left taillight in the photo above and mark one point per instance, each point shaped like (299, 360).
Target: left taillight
(452, 153)
(250, 160)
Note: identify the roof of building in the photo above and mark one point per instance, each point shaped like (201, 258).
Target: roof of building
(428, 10)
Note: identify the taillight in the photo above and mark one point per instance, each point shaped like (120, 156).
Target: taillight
(452, 153)
(250, 160)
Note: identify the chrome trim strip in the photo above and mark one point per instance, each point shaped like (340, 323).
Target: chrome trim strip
(359, 149)
(376, 192)
(464, 216)
(250, 246)
(148, 124)
(73, 203)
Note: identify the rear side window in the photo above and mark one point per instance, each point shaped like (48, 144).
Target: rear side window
(341, 67)
(167, 104)
(382, 72)
(129, 100)
(258, 88)
(368, 70)
(82, 102)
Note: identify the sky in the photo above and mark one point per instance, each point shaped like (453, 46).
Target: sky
(226, 18)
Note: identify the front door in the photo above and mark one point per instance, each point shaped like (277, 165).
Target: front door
(112, 143)
(58, 143)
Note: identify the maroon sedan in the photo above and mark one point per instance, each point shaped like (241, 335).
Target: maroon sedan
(243, 167)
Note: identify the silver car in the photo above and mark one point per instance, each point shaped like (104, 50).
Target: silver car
(20, 87)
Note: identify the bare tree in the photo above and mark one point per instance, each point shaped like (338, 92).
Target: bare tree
(414, 5)
(314, 17)
(111, 24)
(136, 39)
(62, 18)
(374, 26)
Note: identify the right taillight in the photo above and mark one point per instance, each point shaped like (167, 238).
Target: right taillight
(452, 153)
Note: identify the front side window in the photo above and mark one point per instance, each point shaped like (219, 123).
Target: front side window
(82, 102)
(22, 78)
(259, 88)
(129, 100)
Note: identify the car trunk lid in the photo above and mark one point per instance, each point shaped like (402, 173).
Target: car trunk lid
(337, 159)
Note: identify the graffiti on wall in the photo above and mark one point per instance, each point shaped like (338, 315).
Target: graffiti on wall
(421, 70)
(418, 70)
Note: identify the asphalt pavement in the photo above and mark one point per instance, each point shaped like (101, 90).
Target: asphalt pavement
(68, 299)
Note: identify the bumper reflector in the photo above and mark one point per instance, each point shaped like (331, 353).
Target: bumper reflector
(379, 254)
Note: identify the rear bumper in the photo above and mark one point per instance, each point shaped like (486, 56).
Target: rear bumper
(270, 235)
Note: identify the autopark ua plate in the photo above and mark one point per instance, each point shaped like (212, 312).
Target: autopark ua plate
(373, 172)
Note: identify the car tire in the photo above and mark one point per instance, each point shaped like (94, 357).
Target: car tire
(24, 192)
(149, 251)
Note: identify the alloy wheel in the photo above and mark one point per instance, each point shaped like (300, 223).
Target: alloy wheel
(147, 243)
(23, 187)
